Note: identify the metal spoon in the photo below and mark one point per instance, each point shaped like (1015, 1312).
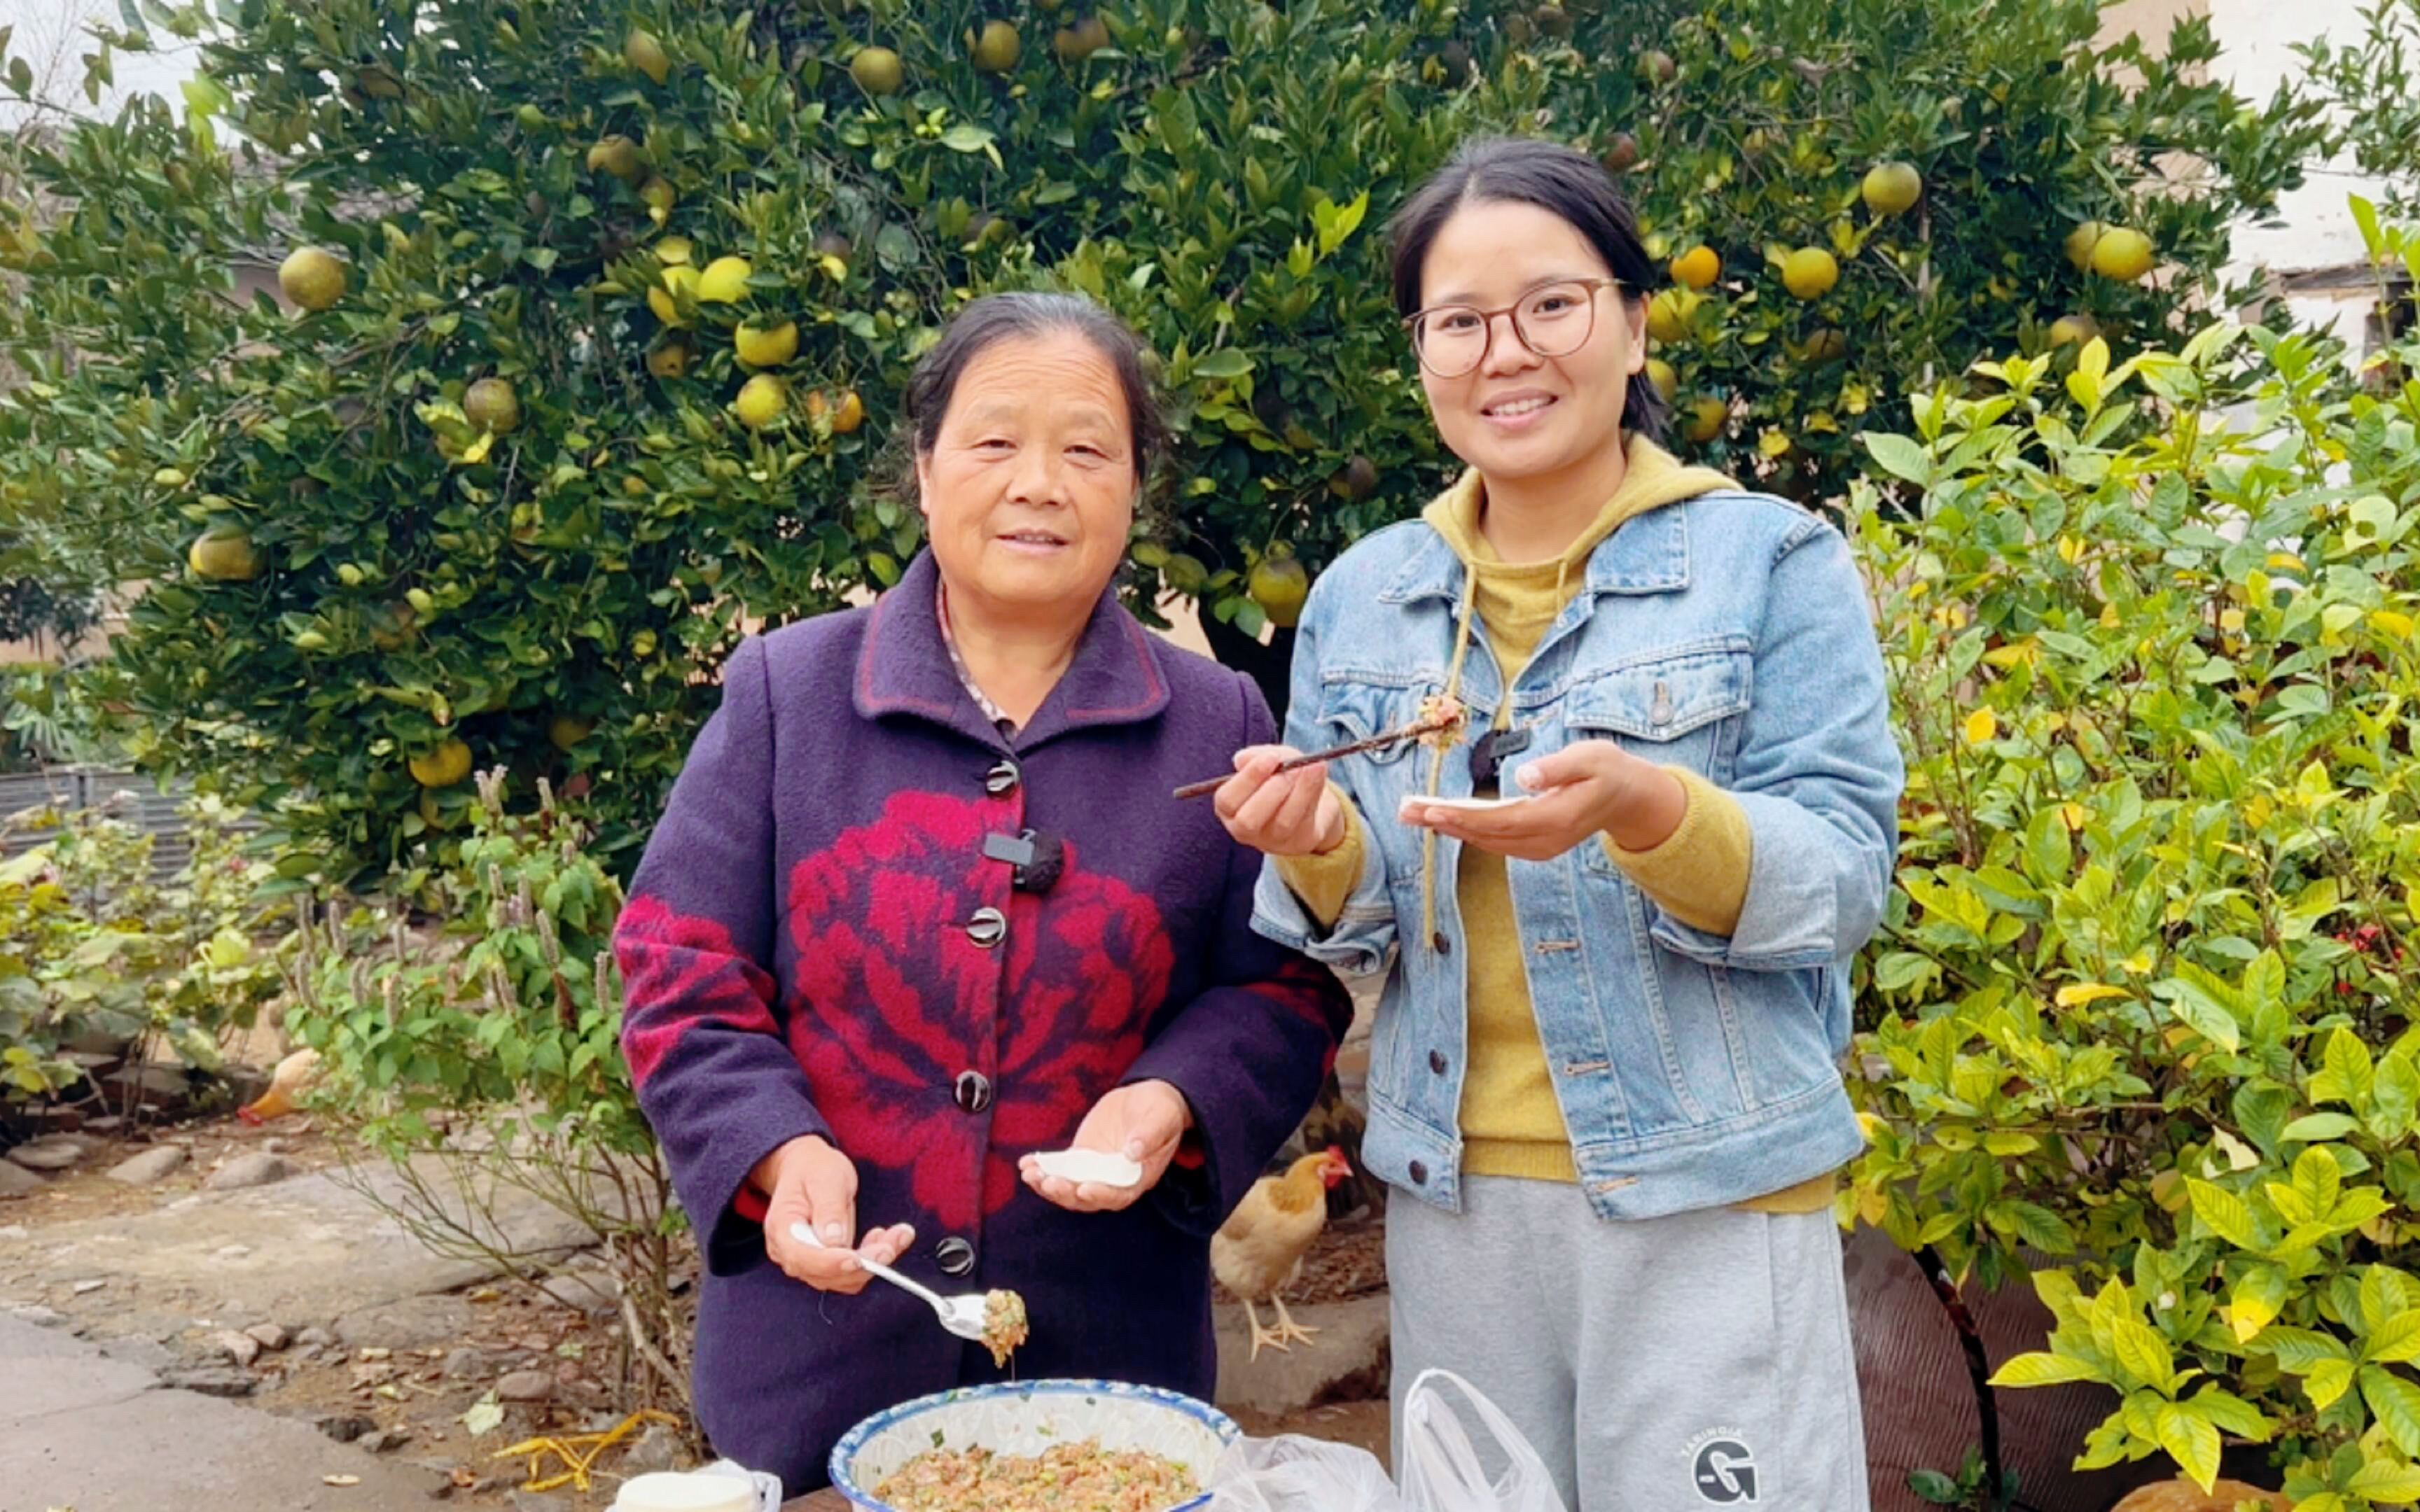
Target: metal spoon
(962, 1315)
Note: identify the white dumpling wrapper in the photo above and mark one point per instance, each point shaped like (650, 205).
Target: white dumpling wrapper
(1102, 1167)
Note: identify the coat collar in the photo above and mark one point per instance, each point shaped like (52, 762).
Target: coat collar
(904, 669)
(1648, 554)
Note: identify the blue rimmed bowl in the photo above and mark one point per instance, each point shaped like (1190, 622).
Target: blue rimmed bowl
(1028, 1418)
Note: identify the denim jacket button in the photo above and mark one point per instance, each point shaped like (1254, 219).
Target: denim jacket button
(1436, 1061)
(1418, 1172)
(1440, 943)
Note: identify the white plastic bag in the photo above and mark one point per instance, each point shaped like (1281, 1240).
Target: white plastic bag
(1292, 1474)
(1442, 1470)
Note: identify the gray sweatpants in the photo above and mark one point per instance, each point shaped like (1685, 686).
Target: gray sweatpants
(1674, 1364)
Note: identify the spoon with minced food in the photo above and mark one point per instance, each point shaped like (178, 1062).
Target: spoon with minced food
(995, 1319)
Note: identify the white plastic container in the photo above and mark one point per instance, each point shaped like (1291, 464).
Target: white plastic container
(674, 1491)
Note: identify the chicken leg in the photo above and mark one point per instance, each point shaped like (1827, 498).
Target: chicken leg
(1288, 1331)
(1276, 1340)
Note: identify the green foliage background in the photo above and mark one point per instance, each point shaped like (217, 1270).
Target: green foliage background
(1216, 170)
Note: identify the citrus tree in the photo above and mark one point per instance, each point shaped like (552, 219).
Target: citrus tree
(2142, 1012)
(592, 321)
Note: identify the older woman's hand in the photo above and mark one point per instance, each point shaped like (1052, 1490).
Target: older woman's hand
(1144, 1122)
(808, 1181)
(1280, 814)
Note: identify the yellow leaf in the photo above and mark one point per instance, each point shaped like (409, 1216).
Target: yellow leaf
(477, 451)
(2077, 994)
(2076, 816)
(2392, 622)
(2022, 653)
(2139, 962)
(2285, 561)
(2070, 550)
(1982, 726)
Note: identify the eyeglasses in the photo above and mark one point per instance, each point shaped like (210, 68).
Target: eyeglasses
(1552, 320)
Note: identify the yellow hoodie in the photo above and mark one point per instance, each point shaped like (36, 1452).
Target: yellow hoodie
(1511, 1123)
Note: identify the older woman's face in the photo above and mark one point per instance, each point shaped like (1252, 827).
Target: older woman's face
(1030, 487)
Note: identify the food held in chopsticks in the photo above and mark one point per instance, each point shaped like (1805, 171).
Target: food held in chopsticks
(1439, 725)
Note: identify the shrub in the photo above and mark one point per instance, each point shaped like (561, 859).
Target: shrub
(2143, 1009)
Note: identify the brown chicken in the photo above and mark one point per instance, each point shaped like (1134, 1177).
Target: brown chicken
(1259, 1252)
(2184, 1496)
(286, 1083)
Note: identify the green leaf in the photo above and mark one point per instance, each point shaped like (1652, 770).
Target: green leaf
(2381, 1480)
(966, 137)
(2143, 1355)
(2198, 1010)
(1899, 456)
(2326, 1381)
(2397, 1341)
(2396, 1403)
(2317, 1128)
(1226, 364)
(2042, 1228)
(2225, 1214)
(2041, 1368)
(2191, 1440)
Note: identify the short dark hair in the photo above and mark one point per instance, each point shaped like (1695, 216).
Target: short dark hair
(1557, 179)
(998, 317)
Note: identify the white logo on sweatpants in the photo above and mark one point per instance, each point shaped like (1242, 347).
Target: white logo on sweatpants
(1723, 1468)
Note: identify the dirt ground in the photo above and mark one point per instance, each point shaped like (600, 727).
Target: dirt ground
(397, 1373)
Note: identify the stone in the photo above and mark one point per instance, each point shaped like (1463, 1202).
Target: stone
(39, 1316)
(50, 1154)
(1350, 1364)
(106, 1125)
(241, 1347)
(268, 1335)
(526, 1386)
(466, 1362)
(87, 1288)
(10, 1233)
(589, 1290)
(316, 1336)
(538, 1502)
(150, 1167)
(408, 1323)
(347, 1427)
(659, 1448)
(230, 1252)
(17, 1181)
(260, 1170)
(386, 1441)
(212, 1380)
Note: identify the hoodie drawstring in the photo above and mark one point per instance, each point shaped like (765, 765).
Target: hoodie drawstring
(1469, 612)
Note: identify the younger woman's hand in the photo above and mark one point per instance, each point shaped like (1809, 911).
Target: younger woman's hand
(1590, 789)
(1280, 814)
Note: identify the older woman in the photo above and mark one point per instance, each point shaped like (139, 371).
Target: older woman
(920, 908)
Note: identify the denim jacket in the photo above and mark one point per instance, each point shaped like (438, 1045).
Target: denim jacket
(1729, 634)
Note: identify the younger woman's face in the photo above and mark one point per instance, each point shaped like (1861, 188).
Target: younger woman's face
(1519, 415)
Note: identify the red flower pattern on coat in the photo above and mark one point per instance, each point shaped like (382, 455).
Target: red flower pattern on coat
(679, 971)
(891, 1002)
